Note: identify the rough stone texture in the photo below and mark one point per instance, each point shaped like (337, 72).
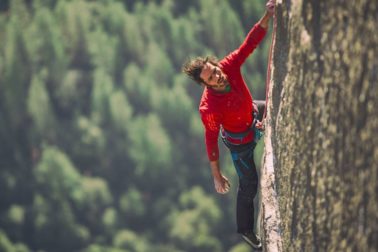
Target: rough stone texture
(323, 117)
(269, 210)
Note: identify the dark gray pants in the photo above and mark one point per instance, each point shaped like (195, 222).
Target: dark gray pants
(242, 157)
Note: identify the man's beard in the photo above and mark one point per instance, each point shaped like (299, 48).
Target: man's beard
(222, 82)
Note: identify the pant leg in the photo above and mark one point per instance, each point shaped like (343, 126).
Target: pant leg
(248, 185)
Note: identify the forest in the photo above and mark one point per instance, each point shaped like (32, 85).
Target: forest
(102, 146)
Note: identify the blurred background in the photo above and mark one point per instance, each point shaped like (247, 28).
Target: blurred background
(101, 144)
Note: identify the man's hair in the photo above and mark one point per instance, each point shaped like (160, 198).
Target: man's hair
(193, 67)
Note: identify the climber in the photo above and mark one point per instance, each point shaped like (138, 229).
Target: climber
(227, 106)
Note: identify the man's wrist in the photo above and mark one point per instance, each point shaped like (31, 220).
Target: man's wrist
(217, 174)
(215, 168)
(264, 21)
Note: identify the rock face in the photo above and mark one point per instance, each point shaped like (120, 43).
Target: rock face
(323, 122)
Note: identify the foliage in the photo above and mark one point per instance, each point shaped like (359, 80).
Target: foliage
(102, 146)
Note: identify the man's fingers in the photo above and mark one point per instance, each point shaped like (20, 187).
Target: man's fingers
(228, 185)
(260, 125)
(222, 186)
(270, 6)
(222, 190)
(219, 189)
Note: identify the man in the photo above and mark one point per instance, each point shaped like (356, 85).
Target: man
(226, 106)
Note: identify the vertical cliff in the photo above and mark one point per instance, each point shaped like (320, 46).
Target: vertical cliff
(323, 128)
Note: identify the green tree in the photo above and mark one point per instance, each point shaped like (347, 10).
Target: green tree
(8, 246)
(55, 227)
(158, 65)
(76, 20)
(102, 50)
(17, 73)
(73, 94)
(185, 38)
(14, 222)
(249, 12)
(193, 225)
(92, 201)
(112, 16)
(137, 87)
(152, 148)
(132, 205)
(101, 248)
(130, 241)
(114, 21)
(133, 40)
(58, 183)
(46, 47)
(102, 89)
(158, 22)
(63, 195)
(173, 106)
(121, 111)
(87, 141)
(56, 176)
(40, 107)
(222, 29)
(110, 221)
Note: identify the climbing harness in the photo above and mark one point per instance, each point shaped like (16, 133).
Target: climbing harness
(231, 138)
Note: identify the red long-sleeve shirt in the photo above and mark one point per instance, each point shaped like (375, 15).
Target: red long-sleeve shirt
(232, 110)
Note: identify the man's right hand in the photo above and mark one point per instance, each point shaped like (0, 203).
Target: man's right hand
(222, 185)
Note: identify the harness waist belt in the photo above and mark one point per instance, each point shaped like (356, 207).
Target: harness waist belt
(235, 137)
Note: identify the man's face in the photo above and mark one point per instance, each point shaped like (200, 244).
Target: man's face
(213, 76)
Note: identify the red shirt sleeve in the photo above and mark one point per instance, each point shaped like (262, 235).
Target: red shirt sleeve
(253, 39)
(211, 122)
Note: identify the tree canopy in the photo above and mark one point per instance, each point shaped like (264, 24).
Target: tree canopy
(101, 144)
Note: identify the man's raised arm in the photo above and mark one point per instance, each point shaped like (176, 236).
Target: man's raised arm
(264, 21)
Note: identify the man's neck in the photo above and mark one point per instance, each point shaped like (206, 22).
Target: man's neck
(223, 89)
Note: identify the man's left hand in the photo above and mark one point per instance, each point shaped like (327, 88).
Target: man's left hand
(260, 125)
(270, 5)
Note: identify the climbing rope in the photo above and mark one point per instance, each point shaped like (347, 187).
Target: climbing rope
(268, 71)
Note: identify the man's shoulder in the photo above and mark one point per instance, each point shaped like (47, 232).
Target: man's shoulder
(204, 105)
(207, 104)
(229, 62)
